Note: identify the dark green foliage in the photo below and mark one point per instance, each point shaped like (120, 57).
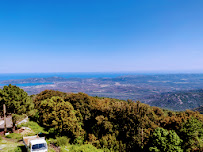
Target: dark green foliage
(17, 100)
(165, 141)
(124, 126)
(84, 148)
(84, 105)
(82, 102)
(18, 149)
(110, 142)
(61, 141)
(1, 102)
(59, 117)
(16, 117)
(46, 94)
(192, 133)
(116, 125)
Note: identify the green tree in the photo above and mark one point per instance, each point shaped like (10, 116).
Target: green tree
(165, 141)
(59, 117)
(1, 102)
(110, 142)
(46, 94)
(192, 133)
(17, 100)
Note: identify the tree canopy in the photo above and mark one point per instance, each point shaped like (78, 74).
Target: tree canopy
(59, 117)
(110, 124)
(16, 100)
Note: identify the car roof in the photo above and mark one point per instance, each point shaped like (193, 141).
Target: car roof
(37, 141)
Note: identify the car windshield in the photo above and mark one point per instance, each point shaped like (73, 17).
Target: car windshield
(38, 146)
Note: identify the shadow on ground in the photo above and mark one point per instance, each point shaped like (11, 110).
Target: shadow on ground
(23, 148)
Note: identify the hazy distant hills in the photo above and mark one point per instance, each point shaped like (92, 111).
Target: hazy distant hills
(170, 91)
(200, 109)
(178, 100)
(34, 80)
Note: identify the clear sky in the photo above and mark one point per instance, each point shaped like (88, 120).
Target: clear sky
(101, 35)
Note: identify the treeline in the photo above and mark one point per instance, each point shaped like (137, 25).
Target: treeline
(109, 124)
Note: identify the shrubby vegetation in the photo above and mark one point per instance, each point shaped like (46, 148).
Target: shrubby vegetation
(165, 141)
(18, 118)
(84, 148)
(17, 149)
(36, 129)
(111, 124)
(62, 141)
(17, 100)
(15, 136)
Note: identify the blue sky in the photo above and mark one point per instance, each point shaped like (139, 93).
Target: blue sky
(101, 36)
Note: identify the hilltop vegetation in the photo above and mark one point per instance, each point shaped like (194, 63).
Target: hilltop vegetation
(16, 100)
(180, 100)
(110, 124)
(200, 109)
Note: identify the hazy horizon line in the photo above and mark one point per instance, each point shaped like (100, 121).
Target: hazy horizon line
(135, 72)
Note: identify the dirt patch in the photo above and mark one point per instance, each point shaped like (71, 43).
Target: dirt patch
(55, 148)
(24, 131)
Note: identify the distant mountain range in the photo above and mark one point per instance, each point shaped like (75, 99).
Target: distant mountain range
(180, 100)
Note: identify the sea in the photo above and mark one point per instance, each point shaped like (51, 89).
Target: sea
(14, 76)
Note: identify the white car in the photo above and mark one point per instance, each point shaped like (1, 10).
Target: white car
(35, 144)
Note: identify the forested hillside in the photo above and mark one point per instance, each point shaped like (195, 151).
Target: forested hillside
(180, 100)
(108, 124)
(199, 109)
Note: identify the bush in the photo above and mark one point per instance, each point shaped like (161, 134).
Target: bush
(164, 141)
(16, 117)
(51, 141)
(17, 149)
(84, 148)
(14, 136)
(61, 141)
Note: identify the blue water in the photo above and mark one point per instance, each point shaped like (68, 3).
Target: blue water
(12, 76)
(26, 84)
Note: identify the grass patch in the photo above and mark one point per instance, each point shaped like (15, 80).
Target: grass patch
(15, 136)
(9, 146)
(80, 148)
(58, 141)
(51, 150)
(17, 149)
(33, 126)
(62, 141)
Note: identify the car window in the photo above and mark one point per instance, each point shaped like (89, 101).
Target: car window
(38, 146)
